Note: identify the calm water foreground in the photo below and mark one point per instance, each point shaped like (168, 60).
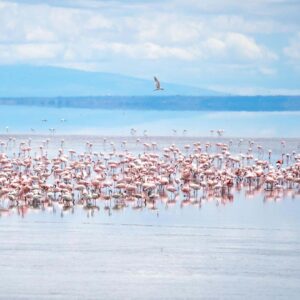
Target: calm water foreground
(247, 248)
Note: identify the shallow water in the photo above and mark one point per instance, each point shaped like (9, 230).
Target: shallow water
(26, 119)
(105, 143)
(91, 261)
(248, 248)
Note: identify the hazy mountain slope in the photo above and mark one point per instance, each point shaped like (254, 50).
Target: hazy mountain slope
(30, 81)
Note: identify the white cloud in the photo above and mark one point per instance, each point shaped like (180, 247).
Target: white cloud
(267, 71)
(24, 53)
(37, 51)
(40, 35)
(215, 46)
(91, 35)
(252, 26)
(236, 47)
(167, 28)
(292, 51)
(248, 48)
(98, 22)
(144, 50)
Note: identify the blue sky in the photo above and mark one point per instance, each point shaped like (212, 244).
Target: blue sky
(243, 47)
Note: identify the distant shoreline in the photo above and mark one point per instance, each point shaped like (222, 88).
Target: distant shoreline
(170, 138)
(175, 103)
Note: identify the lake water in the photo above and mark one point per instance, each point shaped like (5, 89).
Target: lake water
(25, 119)
(248, 248)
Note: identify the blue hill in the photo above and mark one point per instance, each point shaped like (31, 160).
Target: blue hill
(33, 81)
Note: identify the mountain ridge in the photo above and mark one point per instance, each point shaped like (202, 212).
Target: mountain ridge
(49, 81)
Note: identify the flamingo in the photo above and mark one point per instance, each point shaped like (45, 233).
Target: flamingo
(176, 174)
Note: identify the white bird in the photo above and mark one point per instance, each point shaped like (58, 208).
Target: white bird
(220, 132)
(52, 130)
(157, 85)
(63, 120)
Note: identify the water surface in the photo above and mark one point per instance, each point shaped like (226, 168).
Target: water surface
(247, 248)
(26, 119)
(189, 253)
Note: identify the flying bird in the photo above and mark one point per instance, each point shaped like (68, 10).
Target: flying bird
(157, 85)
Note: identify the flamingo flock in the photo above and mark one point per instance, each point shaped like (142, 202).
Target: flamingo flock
(117, 179)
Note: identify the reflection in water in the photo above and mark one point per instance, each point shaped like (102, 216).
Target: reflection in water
(113, 204)
(153, 179)
(47, 120)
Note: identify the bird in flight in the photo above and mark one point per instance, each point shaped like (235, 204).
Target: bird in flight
(157, 85)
